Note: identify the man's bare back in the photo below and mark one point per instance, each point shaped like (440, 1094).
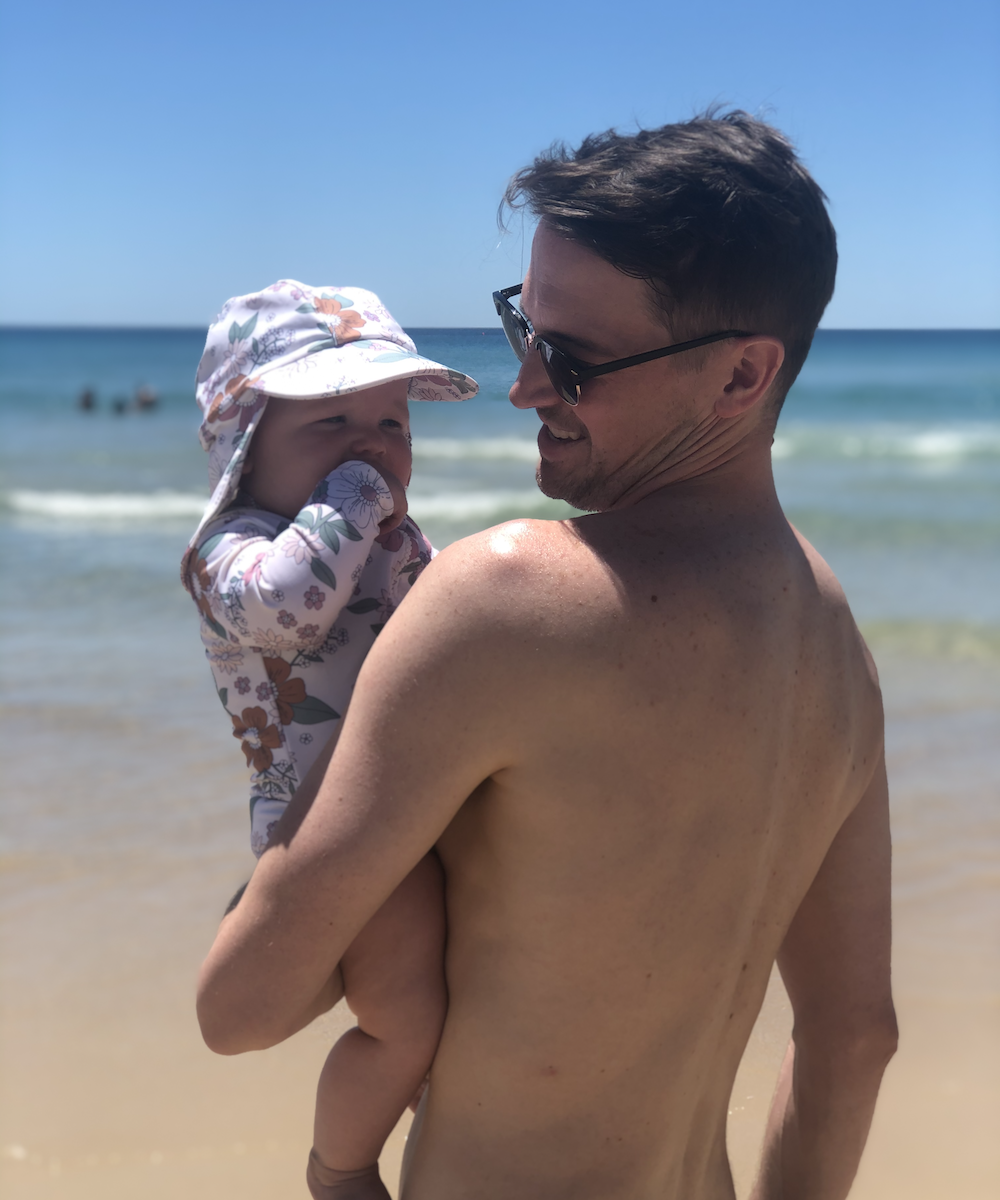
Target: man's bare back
(598, 1017)
(648, 746)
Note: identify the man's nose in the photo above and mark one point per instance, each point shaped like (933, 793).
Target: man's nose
(532, 387)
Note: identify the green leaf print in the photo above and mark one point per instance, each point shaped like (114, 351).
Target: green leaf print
(323, 573)
(306, 308)
(215, 627)
(313, 711)
(328, 536)
(346, 528)
(305, 519)
(238, 332)
(206, 547)
(459, 381)
(341, 300)
(369, 604)
(377, 629)
(224, 697)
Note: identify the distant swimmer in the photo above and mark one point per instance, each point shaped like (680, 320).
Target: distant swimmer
(119, 406)
(146, 399)
(646, 743)
(87, 401)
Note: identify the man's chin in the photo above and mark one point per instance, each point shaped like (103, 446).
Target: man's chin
(582, 494)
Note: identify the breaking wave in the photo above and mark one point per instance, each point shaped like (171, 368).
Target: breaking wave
(920, 444)
(106, 506)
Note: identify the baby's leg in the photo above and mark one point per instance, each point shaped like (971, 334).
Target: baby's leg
(394, 983)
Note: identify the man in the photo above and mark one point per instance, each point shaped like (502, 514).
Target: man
(647, 743)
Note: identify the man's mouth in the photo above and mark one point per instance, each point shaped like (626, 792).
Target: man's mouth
(563, 435)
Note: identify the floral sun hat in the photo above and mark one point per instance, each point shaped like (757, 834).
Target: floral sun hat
(299, 342)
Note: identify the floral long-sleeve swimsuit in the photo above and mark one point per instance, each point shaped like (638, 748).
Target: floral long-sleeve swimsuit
(289, 612)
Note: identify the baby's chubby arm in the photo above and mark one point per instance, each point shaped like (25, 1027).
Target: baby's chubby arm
(303, 576)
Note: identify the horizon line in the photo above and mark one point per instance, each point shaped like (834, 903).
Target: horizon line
(34, 328)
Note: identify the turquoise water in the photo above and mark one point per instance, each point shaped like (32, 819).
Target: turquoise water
(887, 456)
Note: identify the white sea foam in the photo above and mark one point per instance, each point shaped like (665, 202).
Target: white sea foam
(462, 506)
(107, 506)
(888, 442)
(468, 449)
(803, 441)
(153, 506)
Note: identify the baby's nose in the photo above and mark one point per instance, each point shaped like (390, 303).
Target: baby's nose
(368, 439)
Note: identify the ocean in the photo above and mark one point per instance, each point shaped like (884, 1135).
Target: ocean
(123, 821)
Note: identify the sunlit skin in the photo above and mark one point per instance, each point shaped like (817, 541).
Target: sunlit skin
(299, 442)
(648, 747)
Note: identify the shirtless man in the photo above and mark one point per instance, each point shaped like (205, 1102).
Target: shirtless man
(647, 743)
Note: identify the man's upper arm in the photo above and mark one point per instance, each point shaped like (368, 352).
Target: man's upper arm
(428, 722)
(835, 959)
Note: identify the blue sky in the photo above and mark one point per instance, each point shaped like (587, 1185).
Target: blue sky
(159, 158)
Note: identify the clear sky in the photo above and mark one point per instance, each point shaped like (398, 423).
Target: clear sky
(158, 158)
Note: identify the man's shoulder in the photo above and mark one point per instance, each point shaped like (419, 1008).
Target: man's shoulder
(503, 588)
(517, 563)
(833, 622)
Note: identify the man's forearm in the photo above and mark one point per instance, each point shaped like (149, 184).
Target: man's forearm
(819, 1120)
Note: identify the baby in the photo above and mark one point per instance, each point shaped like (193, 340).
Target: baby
(304, 552)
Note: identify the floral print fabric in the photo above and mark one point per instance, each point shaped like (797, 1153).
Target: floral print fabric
(289, 611)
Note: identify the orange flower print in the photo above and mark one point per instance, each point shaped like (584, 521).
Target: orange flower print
(224, 399)
(201, 585)
(239, 392)
(284, 691)
(346, 322)
(257, 738)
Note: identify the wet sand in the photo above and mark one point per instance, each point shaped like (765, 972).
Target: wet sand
(107, 907)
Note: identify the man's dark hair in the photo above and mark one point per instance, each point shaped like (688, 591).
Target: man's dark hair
(717, 214)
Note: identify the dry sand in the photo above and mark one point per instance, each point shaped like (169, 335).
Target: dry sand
(107, 1091)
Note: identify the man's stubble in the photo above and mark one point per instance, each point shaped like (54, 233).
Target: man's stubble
(599, 487)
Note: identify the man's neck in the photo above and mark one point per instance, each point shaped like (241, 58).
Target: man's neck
(720, 467)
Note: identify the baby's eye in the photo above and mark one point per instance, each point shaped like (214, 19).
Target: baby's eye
(391, 423)
(336, 420)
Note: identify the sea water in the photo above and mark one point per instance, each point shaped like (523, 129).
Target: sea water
(123, 822)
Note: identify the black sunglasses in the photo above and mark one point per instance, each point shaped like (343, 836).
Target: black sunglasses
(567, 374)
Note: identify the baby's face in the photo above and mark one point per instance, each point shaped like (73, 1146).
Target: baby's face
(298, 442)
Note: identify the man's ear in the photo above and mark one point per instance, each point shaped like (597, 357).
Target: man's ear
(756, 362)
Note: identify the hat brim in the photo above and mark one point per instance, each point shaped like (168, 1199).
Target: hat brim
(365, 363)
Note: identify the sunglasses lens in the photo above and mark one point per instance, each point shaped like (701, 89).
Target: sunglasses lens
(515, 329)
(559, 373)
